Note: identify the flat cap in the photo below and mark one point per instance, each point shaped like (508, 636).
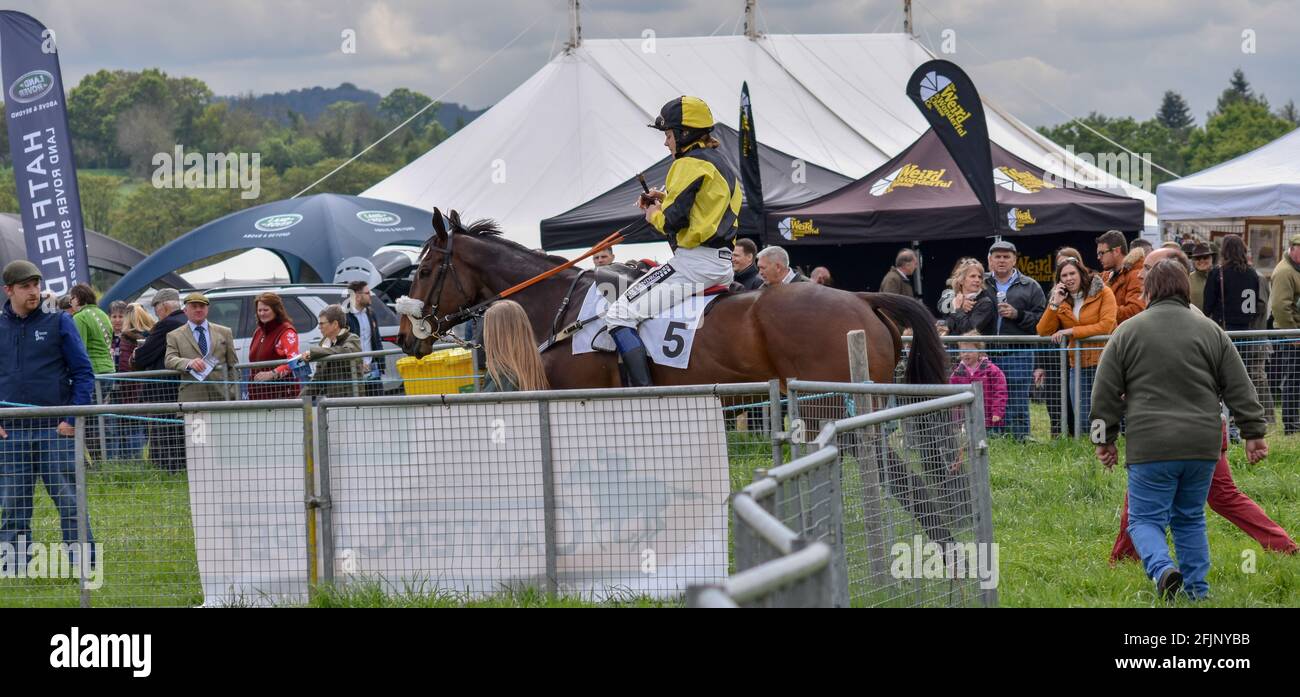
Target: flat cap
(20, 270)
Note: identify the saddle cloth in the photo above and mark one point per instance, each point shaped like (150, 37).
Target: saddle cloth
(668, 337)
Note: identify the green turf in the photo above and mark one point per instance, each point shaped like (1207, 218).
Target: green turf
(1056, 512)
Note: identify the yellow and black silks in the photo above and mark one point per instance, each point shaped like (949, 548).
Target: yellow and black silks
(702, 202)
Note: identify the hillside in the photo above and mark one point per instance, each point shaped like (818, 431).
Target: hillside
(314, 101)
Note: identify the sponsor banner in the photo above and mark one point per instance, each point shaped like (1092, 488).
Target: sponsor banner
(1019, 181)
(948, 100)
(379, 218)
(1019, 218)
(44, 171)
(750, 175)
(794, 228)
(908, 176)
(276, 223)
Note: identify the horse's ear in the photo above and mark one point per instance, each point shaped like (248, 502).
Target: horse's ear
(454, 217)
(439, 229)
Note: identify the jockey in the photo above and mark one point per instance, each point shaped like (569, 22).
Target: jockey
(699, 213)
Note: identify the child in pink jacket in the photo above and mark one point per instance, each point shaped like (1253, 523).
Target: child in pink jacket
(975, 366)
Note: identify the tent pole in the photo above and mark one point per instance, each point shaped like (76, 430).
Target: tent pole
(908, 27)
(575, 25)
(751, 22)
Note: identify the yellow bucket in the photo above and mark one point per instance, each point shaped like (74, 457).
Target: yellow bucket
(442, 372)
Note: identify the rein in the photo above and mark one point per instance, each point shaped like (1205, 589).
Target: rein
(425, 324)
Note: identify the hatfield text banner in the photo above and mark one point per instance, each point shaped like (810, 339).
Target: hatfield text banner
(44, 173)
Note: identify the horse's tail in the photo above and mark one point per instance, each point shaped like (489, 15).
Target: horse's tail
(927, 361)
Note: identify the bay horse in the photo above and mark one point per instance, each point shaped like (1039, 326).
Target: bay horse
(787, 331)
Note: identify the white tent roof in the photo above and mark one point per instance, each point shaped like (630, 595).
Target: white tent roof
(1264, 181)
(576, 128)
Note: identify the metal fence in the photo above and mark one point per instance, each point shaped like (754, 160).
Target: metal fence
(598, 494)
(113, 438)
(890, 508)
(1037, 383)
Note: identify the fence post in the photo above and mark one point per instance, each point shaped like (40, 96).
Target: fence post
(796, 429)
(325, 501)
(1076, 404)
(99, 423)
(978, 451)
(774, 421)
(309, 489)
(548, 496)
(868, 464)
(839, 566)
(749, 548)
(83, 508)
(1063, 365)
(814, 591)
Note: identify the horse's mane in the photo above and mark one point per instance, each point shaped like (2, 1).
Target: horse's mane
(488, 229)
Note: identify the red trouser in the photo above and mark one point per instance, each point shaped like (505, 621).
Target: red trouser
(1228, 501)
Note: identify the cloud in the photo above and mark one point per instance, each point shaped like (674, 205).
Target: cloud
(1113, 56)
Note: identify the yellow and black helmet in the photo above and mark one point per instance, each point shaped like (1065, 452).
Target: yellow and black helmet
(684, 113)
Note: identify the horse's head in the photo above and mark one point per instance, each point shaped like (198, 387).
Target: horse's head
(442, 287)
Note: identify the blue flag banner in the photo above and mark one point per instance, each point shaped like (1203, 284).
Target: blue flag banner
(41, 148)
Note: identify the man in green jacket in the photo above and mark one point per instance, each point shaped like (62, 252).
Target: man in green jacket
(95, 327)
(1284, 300)
(1171, 402)
(96, 330)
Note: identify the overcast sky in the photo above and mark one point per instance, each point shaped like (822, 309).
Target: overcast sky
(1113, 56)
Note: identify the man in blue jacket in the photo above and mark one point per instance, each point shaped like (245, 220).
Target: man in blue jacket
(42, 363)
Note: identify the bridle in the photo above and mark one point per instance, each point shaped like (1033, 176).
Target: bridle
(425, 324)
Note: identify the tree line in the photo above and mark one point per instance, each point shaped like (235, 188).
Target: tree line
(1240, 122)
(121, 119)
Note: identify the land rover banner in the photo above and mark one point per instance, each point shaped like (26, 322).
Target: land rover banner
(948, 100)
(44, 172)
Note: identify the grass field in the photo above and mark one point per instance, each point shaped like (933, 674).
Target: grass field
(1055, 510)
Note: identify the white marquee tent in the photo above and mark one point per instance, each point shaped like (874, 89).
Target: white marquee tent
(576, 128)
(1263, 182)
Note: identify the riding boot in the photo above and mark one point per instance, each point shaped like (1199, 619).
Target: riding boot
(635, 359)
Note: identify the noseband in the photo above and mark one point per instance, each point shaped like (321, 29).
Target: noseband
(425, 324)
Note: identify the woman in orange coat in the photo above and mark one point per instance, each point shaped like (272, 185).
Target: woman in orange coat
(1080, 306)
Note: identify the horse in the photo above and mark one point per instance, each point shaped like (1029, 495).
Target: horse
(788, 331)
